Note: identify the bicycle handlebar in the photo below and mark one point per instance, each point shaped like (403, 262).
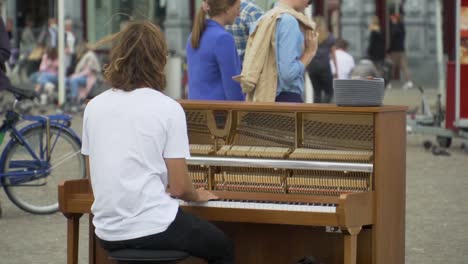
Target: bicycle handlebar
(21, 94)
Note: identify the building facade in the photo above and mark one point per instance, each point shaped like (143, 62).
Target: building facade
(38, 11)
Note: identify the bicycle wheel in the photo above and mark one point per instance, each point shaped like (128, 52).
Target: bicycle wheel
(38, 194)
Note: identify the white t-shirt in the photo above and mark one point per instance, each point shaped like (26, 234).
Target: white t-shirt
(127, 136)
(345, 64)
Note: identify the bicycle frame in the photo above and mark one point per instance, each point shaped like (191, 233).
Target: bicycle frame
(38, 165)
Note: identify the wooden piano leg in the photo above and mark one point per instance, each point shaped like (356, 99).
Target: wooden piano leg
(73, 228)
(350, 244)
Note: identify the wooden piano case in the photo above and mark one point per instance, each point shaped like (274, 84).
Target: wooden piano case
(368, 226)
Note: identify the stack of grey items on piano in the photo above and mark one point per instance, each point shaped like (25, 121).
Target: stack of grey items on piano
(359, 92)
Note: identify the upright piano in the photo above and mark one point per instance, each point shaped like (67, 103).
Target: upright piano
(293, 180)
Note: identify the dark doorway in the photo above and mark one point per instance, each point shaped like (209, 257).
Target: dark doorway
(38, 11)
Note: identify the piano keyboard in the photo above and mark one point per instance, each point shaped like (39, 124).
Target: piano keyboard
(317, 208)
(332, 155)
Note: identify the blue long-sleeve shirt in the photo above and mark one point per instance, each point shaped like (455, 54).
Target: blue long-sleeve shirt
(289, 49)
(212, 66)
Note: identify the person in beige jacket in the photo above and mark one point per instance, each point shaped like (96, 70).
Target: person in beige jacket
(279, 49)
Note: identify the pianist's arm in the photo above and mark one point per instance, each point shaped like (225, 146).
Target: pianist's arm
(88, 173)
(176, 149)
(180, 183)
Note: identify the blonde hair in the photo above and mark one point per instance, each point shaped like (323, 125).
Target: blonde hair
(138, 57)
(375, 24)
(322, 29)
(216, 7)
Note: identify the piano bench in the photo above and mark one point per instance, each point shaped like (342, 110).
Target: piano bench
(145, 256)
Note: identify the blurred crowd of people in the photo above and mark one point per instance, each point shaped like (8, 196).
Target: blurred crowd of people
(36, 61)
(246, 54)
(236, 51)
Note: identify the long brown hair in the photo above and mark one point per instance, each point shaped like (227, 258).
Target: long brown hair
(137, 58)
(216, 7)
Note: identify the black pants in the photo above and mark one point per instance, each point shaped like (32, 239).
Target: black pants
(187, 233)
(322, 80)
(288, 97)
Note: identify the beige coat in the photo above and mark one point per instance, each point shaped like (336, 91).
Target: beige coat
(259, 77)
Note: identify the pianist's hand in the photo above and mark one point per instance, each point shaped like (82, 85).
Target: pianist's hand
(311, 46)
(205, 196)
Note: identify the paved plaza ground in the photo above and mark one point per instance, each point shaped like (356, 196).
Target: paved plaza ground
(436, 219)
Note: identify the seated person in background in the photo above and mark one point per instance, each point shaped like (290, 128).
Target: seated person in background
(135, 142)
(28, 40)
(86, 72)
(48, 70)
(70, 45)
(4, 56)
(33, 60)
(344, 60)
(212, 55)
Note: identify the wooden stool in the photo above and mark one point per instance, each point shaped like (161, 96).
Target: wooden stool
(145, 256)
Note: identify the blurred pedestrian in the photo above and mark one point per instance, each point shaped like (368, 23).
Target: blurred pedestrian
(376, 48)
(49, 35)
(86, 73)
(319, 69)
(344, 60)
(9, 28)
(48, 70)
(33, 61)
(397, 49)
(27, 44)
(4, 56)
(28, 40)
(211, 53)
(249, 14)
(70, 43)
(279, 49)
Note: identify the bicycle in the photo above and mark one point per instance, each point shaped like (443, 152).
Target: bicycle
(37, 157)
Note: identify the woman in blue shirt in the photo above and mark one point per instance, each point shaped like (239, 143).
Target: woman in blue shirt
(212, 54)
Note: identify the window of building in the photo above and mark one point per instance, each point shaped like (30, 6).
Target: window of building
(105, 17)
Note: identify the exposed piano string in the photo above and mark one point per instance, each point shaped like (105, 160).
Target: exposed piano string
(200, 176)
(250, 180)
(272, 177)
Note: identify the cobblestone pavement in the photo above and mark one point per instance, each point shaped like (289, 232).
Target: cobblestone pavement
(436, 222)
